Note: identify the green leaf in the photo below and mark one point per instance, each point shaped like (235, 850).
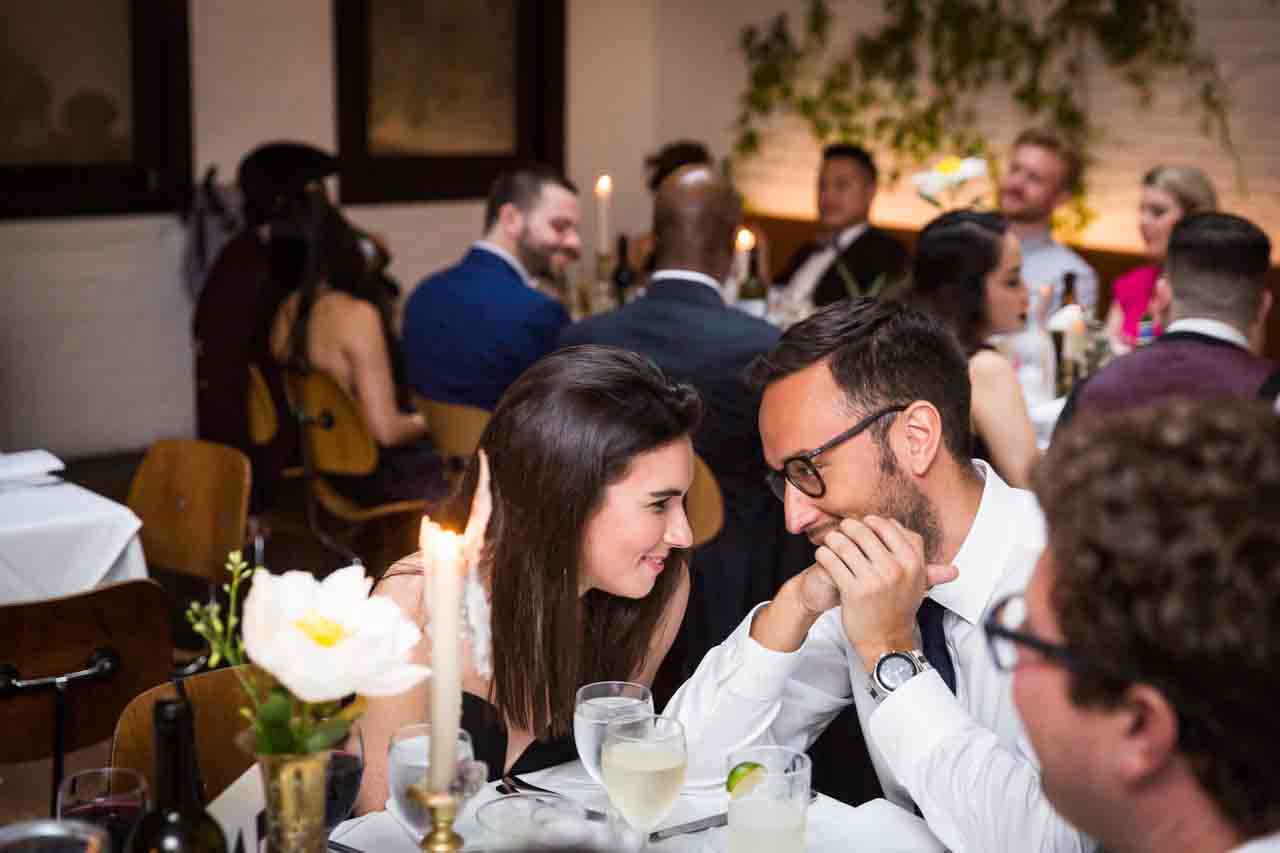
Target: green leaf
(328, 734)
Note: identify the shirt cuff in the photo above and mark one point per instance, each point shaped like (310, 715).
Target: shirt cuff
(756, 672)
(912, 720)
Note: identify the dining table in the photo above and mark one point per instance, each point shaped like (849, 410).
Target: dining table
(58, 538)
(877, 826)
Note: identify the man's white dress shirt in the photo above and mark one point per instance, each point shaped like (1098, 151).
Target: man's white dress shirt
(963, 759)
(804, 281)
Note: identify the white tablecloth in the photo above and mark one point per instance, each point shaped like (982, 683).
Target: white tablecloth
(57, 539)
(833, 827)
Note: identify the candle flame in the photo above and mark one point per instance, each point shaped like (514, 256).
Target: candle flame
(745, 241)
(604, 186)
(442, 544)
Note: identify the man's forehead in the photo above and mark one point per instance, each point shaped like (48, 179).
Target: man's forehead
(798, 410)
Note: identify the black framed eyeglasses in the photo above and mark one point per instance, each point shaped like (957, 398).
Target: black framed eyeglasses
(1004, 628)
(800, 471)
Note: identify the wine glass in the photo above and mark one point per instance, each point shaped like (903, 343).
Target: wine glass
(53, 836)
(113, 798)
(408, 763)
(596, 706)
(342, 779)
(643, 763)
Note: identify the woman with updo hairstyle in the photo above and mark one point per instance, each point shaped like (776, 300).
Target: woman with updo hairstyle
(967, 272)
(585, 464)
(1168, 194)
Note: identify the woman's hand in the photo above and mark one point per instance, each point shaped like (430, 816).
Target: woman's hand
(481, 509)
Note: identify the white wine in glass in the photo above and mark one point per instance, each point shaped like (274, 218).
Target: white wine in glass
(644, 762)
(596, 706)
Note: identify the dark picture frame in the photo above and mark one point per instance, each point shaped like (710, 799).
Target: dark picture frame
(539, 87)
(158, 175)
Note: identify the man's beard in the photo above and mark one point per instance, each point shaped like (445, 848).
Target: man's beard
(535, 259)
(904, 502)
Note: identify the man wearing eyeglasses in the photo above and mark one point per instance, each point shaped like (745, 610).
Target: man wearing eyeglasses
(1145, 655)
(865, 424)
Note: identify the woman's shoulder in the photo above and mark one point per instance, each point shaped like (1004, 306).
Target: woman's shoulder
(987, 366)
(402, 582)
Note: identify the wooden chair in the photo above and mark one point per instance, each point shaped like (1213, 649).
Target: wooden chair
(193, 499)
(216, 698)
(263, 421)
(455, 430)
(704, 504)
(336, 441)
(69, 665)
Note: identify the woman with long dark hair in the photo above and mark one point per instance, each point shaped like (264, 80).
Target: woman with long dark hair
(338, 321)
(968, 273)
(585, 561)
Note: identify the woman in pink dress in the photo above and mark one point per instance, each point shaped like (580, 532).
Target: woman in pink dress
(1168, 194)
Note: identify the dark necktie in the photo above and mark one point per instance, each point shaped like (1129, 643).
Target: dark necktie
(929, 617)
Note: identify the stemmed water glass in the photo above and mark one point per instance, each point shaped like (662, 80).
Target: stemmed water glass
(643, 762)
(408, 764)
(596, 706)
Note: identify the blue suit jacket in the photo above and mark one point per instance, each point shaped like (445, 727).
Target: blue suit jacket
(471, 329)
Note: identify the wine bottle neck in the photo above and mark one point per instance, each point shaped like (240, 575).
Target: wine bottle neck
(175, 769)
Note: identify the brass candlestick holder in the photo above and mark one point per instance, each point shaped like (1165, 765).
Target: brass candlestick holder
(444, 810)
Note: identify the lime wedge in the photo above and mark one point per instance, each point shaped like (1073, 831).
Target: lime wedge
(743, 778)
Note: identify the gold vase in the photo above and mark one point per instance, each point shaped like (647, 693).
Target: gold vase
(295, 792)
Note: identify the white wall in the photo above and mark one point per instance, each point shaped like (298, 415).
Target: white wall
(95, 352)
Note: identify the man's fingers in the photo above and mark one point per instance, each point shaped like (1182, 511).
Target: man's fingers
(905, 545)
(937, 573)
(842, 574)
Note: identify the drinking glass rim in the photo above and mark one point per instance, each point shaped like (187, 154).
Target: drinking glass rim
(577, 699)
(623, 721)
(139, 779)
(538, 799)
(803, 761)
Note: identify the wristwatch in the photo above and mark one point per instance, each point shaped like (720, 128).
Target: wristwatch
(893, 670)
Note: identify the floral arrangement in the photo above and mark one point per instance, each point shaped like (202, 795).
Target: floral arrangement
(948, 176)
(318, 641)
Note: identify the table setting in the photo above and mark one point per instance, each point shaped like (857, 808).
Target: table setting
(57, 538)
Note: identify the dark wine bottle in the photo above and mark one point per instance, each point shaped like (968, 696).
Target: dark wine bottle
(1068, 289)
(177, 823)
(623, 275)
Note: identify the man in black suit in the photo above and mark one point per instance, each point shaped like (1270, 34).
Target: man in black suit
(852, 257)
(684, 325)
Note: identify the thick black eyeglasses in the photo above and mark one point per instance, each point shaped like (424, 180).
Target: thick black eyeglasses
(1003, 626)
(800, 471)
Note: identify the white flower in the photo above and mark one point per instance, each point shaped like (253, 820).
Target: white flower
(326, 640)
(950, 172)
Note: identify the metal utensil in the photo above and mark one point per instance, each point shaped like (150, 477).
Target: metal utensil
(514, 784)
(339, 847)
(698, 825)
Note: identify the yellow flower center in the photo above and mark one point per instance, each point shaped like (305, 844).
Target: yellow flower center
(949, 165)
(322, 630)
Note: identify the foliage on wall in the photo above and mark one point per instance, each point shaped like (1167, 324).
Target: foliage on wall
(910, 88)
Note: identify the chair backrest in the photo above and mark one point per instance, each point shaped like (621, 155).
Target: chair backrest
(58, 636)
(333, 427)
(193, 499)
(704, 504)
(263, 423)
(455, 428)
(216, 699)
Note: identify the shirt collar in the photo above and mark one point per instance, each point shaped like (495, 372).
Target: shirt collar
(494, 248)
(984, 555)
(688, 275)
(1211, 328)
(848, 235)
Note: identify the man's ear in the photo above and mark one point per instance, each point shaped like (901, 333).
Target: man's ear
(921, 437)
(1147, 736)
(510, 220)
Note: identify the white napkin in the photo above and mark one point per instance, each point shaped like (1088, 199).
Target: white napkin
(28, 463)
(1065, 319)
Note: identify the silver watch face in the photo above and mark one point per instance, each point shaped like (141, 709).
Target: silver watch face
(894, 670)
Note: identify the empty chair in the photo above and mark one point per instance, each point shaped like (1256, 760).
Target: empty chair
(336, 441)
(455, 430)
(69, 666)
(704, 504)
(216, 698)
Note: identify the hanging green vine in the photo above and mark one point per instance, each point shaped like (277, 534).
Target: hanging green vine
(886, 95)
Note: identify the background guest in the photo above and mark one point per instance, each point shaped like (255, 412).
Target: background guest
(851, 257)
(338, 321)
(1217, 266)
(471, 329)
(584, 562)
(968, 273)
(1044, 170)
(1168, 194)
(1163, 567)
